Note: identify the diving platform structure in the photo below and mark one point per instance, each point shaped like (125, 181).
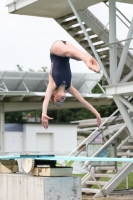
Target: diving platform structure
(67, 158)
(25, 91)
(116, 62)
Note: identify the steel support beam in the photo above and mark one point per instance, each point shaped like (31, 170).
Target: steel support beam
(2, 119)
(112, 38)
(91, 137)
(126, 103)
(89, 41)
(116, 180)
(119, 177)
(124, 114)
(124, 53)
(120, 89)
(127, 77)
(106, 144)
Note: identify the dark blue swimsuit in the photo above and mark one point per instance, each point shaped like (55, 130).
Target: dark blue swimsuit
(60, 70)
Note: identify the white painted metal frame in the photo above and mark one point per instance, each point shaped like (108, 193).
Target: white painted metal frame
(114, 79)
(112, 38)
(89, 41)
(124, 52)
(124, 114)
(3, 87)
(2, 119)
(92, 136)
(115, 181)
(115, 73)
(120, 101)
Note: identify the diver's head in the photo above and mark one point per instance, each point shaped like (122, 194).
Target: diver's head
(58, 97)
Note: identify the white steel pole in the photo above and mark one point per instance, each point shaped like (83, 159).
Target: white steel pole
(127, 103)
(124, 53)
(124, 114)
(2, 126)
(112, 39)
(127, 77)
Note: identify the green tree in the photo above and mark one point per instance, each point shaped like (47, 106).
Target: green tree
(43, 69)
(68, 115)
(15, 117)
(20, 68)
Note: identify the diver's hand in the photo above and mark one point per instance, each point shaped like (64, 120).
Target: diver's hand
(92, 64)
(98, 120)
(45, 119)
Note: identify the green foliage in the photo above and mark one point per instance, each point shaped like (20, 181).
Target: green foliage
(43, 69)
(20, 68)
(68, 115)
(31, 70)
(15, 117)
(106, 110)
(122, 185)
(18, 117)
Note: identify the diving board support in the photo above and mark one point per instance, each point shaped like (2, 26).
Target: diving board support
(89, 41)
(116, 180)
(112, 38)
(124, 53)
(2, 119)
(125, 102)
(9, 166)
(127, 77)
(27, 187)
(92, 136)
(124, 114)
(106, 144)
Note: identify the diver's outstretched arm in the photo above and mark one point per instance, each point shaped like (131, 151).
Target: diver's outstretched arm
(87, 105)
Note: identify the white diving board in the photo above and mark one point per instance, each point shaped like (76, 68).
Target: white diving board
(60, 158)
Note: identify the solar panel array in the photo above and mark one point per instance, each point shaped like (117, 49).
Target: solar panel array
(16, 81)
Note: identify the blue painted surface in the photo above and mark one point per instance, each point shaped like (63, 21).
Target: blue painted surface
(14, 127)
(9, 157)
(43, 157)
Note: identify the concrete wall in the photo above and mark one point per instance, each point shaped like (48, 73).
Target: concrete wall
(26, 187)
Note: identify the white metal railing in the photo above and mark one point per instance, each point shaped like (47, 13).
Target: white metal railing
(90, 138)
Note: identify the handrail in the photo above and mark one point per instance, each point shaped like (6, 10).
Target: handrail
(92, 136)
(121, 14)
(106, 144)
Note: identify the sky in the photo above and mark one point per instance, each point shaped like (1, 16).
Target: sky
(26, 40)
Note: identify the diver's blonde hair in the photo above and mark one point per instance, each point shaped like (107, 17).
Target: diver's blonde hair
(52, 99)
(52, 96)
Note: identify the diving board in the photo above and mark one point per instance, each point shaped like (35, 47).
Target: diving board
(60, 158)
